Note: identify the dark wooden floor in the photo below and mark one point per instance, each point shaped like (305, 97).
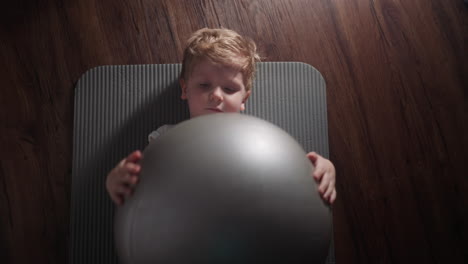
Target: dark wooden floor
(397, 80)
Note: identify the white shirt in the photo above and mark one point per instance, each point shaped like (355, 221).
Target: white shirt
(158, 132)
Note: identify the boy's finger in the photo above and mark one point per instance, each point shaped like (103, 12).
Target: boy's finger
(312, 156)
(329, 191)
(318, 174)
(116, 199)
(134, 179)
(126, 193)
(130, 180)
(333, 197)
(132, 168)
(121, 163)
(134, 156)
(323, 186)
(125, 180)
(123, 190)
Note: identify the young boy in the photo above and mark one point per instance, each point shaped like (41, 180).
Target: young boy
(217, 72)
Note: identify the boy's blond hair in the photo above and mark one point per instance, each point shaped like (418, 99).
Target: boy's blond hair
(224, 47)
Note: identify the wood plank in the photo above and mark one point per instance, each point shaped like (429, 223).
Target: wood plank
(397, 78)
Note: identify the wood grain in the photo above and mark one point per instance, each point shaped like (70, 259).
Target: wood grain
(397, 78)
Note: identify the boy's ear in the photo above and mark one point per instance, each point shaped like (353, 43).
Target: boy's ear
(183, 87)
(247, 95)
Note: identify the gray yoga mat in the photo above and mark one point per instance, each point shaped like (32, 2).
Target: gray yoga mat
(116, 107)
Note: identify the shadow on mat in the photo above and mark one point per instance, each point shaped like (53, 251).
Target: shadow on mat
(96, 244)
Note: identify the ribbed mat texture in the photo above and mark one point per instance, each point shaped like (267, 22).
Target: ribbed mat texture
(116, 107)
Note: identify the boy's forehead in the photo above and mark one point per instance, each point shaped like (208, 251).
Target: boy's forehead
(205, 65)
(206, 68)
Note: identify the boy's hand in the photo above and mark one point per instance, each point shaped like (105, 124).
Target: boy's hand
(324, 175)
(122, 179)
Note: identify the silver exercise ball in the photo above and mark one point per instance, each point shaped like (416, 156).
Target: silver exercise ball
(224, 188)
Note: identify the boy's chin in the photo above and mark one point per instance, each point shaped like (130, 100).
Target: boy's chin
(209, 112)
(203, 114)
(212, 113)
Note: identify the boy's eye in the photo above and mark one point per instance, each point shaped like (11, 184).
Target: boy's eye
(204, 84)
(230, 90)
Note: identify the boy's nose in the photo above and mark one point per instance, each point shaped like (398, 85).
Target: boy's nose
(216, 95)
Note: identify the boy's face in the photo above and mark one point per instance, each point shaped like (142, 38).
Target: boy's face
(213, 88)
